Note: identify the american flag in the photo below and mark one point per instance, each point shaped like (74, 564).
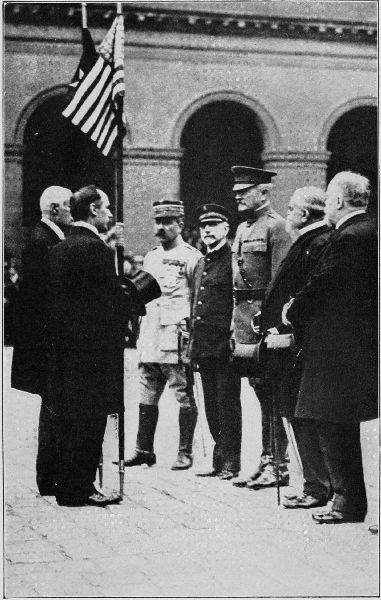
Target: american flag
(97, 104)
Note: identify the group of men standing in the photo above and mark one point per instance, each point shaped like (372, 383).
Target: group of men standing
(292, 305)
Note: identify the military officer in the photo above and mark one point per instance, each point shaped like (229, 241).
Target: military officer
(260, 245)
(172, 263)
(209, 346)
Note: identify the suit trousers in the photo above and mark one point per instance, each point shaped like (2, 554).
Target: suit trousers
(80, 447)
(222, 396)
(341, 447)
(274, 438)
(316, 476)
(47, 454)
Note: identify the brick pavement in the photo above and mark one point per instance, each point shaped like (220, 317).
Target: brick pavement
(174, 535)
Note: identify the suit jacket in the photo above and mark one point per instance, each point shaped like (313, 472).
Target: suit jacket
(89, 312)
(29, 364)
(212, 305)
(339, 305)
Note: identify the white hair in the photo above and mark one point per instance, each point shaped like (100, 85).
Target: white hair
(54, 194)
(354, 187)
(312, 199)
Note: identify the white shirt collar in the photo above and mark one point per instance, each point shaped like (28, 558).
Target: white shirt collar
(314, 225)
(87, 226)
(348, 216)
(219, 245)
(54, 227)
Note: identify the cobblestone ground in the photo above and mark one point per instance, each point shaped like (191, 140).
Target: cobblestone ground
(175, 535)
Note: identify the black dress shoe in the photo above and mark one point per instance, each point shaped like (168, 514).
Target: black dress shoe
(373, 529)
(227, 475)
(268, 479)
(138, 458)
(243, 482)
(209, 473)
(96, 499)
(304, 501)
(335, 517)
(183, 461)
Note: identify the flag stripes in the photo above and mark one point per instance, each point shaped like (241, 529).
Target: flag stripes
(96, 107)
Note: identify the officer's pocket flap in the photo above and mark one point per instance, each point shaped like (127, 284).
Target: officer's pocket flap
(169, 339)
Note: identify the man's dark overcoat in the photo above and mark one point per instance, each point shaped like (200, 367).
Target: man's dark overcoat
(89, 313)
(292, 275)
(339, 379)
(29, 365)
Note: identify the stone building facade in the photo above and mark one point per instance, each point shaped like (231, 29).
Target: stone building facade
(302, 75)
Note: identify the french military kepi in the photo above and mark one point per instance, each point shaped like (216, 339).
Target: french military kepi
(168, 206)
(213, 213)
(246, 177)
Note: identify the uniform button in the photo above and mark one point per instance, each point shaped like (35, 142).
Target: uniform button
(198, 318)
(205, 273)
(199, 302)
(202, 287)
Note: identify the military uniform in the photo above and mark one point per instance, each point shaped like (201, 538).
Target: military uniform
(260, 245)
(158, 343)
(209, 347)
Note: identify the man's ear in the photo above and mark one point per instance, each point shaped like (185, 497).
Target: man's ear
(306, 214)
(93, 210)
(340, 202)
(54, 208)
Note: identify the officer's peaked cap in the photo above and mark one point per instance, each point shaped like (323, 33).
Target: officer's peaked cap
(168, 205)
(213, 212)
(245, 177)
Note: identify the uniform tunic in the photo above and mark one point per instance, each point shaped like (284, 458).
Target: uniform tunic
(212, 306)
(261, 244)
(173, 269)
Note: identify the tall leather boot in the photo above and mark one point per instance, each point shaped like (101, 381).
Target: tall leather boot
(187, 423)
(144, 454)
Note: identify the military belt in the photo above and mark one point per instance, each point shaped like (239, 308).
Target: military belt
(248, 294)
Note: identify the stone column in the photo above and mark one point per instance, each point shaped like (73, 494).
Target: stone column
(295, 169)
(149, 172)
(14, 232)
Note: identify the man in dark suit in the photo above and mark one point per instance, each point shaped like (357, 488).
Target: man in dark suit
(209, 345)
(88, 316)
(305, 224)
(340, 369)
(29, 364)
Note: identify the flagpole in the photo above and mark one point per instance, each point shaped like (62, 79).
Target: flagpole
(84, 14)
(120, 255)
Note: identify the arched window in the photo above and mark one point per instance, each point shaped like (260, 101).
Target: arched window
(57, 153)
(352, 142)
(217, 136)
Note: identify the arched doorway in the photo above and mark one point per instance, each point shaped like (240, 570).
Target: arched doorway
(352, 142)
(57, 153)
(217, 136)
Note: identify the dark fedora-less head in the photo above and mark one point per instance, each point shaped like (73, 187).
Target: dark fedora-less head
(246, 177)
(212, 212)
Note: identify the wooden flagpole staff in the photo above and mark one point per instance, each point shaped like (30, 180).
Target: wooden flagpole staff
(119, 231)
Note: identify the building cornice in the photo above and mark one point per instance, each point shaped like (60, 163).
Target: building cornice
(153, 155)
(197, 21)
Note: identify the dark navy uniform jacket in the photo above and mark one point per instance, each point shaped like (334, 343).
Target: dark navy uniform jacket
(212, 305)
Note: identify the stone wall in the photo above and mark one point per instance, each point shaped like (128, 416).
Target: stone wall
(296, 87)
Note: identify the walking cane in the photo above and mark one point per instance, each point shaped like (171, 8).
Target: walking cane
(275, 446)
(121, 452)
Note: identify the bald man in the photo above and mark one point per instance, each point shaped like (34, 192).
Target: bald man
(29, 366)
